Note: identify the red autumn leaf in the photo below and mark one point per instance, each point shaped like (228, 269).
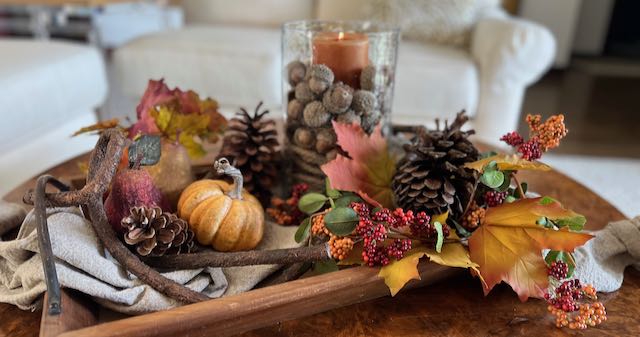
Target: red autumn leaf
(157, 93)
(508, 245)
(368, 169)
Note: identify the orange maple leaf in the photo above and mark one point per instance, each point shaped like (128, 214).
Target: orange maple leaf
(369, 168)
(508, 245)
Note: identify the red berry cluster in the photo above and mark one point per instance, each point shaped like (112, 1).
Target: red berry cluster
(494, 198)
(419, 224)
(286, 212)
(530, 150)
(567, 299)
(373, 229)
(558, 270)
(513, 138)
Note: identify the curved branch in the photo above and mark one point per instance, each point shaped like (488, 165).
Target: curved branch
(103, 164)
(235, 259)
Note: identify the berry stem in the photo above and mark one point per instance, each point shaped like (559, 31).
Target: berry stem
(519, 186)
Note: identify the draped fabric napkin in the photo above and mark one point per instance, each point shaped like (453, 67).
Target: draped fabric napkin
(603, 259)
(83, 264)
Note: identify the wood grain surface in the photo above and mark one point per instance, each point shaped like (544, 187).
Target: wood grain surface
(453, 307)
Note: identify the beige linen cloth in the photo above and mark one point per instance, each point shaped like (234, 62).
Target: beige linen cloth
(83, 264)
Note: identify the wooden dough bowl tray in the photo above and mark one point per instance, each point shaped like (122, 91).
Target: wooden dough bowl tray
(82, 317)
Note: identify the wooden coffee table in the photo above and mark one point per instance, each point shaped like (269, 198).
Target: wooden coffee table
(455, 307)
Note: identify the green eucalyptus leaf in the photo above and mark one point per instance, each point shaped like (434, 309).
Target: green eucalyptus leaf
(303, 230)
(491, 166)
(461, 230)
(547, 200)
(505, 184)
(575, 223)
(331, 192)
(311, 202)
(440, 239)
(492, 179)
(341, 221)
(323, 267)
(346, 199)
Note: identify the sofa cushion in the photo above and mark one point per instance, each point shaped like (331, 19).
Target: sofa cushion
(433, 81)
(267, 13)
(45, 83)
(234, 65)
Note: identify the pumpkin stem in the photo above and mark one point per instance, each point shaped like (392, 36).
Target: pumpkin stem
(222, 166)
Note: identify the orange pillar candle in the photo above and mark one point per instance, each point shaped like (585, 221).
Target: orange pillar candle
(346, 54)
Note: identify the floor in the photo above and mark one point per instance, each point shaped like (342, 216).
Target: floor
(601, 102)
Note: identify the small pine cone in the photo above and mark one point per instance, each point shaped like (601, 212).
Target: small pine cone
(296, 72)
(340, 247)
(294, 110)
(155, 233)
(364, 101)
(304, 137)
(315, 115)
(367, 78)
(326, 140)
(474, 217)
(317, 226)
(303, 93)
(348, 117)
(338, 98)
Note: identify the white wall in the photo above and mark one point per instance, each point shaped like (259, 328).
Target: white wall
(593, 26)
(561, 17)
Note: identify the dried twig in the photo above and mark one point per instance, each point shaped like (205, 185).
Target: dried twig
(103, 165)
(246, 258)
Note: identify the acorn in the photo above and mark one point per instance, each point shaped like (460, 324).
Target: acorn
(303, 94)
(304, 137)
(338, 98)
(363, 101)
(315, 115)
(296, 72)
(294, 109)
(325, 140)
(368, 78)
(349, 117)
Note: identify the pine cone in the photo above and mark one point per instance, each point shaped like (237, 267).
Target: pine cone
(432, 177)
(155, 233)
(251, 144)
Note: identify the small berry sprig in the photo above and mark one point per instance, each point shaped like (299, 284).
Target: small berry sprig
(542, 136)
(286, 212)
(574, 305)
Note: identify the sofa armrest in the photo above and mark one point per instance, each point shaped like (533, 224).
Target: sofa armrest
(511, 53)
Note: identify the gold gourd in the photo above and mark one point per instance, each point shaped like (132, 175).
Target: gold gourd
(222, 215)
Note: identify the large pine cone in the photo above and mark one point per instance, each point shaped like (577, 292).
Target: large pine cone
(432, 177)
(155, 233)
(251, 145)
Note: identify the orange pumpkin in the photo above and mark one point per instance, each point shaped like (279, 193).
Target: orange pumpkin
(223, 215)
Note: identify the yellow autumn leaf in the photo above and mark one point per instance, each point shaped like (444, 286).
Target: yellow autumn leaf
(441, 218)
(186, 127)
(397, 273)
(508, 163)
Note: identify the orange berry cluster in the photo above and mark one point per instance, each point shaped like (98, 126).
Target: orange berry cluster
(286, 212)
(474, 216)
(340, 246)
(317, 226)
(549, 133)
(589, 315)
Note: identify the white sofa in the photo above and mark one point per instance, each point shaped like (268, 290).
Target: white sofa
(231, 51)
(49, 90)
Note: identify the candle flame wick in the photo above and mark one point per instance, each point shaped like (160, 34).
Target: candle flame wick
(340, 35)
